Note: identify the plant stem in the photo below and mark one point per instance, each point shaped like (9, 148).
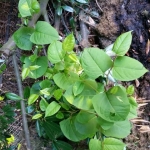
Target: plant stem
(19, 83)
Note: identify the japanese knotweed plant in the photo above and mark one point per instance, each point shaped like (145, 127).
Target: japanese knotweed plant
(74, 97)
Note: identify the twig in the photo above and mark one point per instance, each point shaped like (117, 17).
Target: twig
(19, 83)
(57, 18)
(99, 6)
(45, 15)
(63, 21)
(84, 31)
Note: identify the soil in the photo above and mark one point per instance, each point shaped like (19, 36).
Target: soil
(118, 16)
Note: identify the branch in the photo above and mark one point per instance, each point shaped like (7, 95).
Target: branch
(25, 125)
(10, 44)
(84, 31)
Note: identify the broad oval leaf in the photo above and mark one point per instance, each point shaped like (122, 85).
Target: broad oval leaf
(68, 8)
(41, 61)
(130, 90)
(55, 52)
(68, 43)
(13, 96)
(95, 144)
(112, 105)
(22, 38)
(81, 101)
(120, 129)
(68, 129)
(44, 33)
(58, 94)
(52, 109)
(25, 73)
(95, 62)
(133, 108)
(35, 6)
(82, 1)
(104, 124)
(61, 80)
(37, 116)
(24, 8)
(32, 98)
(122, 44)
(62, 145)
(78, 88)
(86, 123)
(127, 69)
(113, 144)
(60, 115)
(43, 104)
(52, 130)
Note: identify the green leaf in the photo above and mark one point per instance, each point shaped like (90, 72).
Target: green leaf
(25, 73)
(78, 88)
(81, 101)
(120, 129)
(44, 33)
(86, 123)
(68, 129)
(68, 8)
(130, 90)
(22, 38)
(60, 65)
(38, 128)
(55, 52)
(35, 6)
(52, 130)
(60, 115)
(24, 8)
(95, 62)
(133, 108)
(45, 84)
(32, 98)
(113, 144)
(82, 1)
(127, 69)
(95, 144)
(37, 116)
(61, 145)
(43, 104)
(104, 124)
(112, 105)
(45, 92)
(40, 61)
(59, 10)
(52, 109)
(30, 109)
(13, 96)
(58, 94)
(34, 67)
(61, 80)
(68, 43)
(122, 44)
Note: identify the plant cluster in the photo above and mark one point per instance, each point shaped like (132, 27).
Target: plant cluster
(72, 95)
(6, 118)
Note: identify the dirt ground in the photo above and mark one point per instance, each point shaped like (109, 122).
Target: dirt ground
(116, 17)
